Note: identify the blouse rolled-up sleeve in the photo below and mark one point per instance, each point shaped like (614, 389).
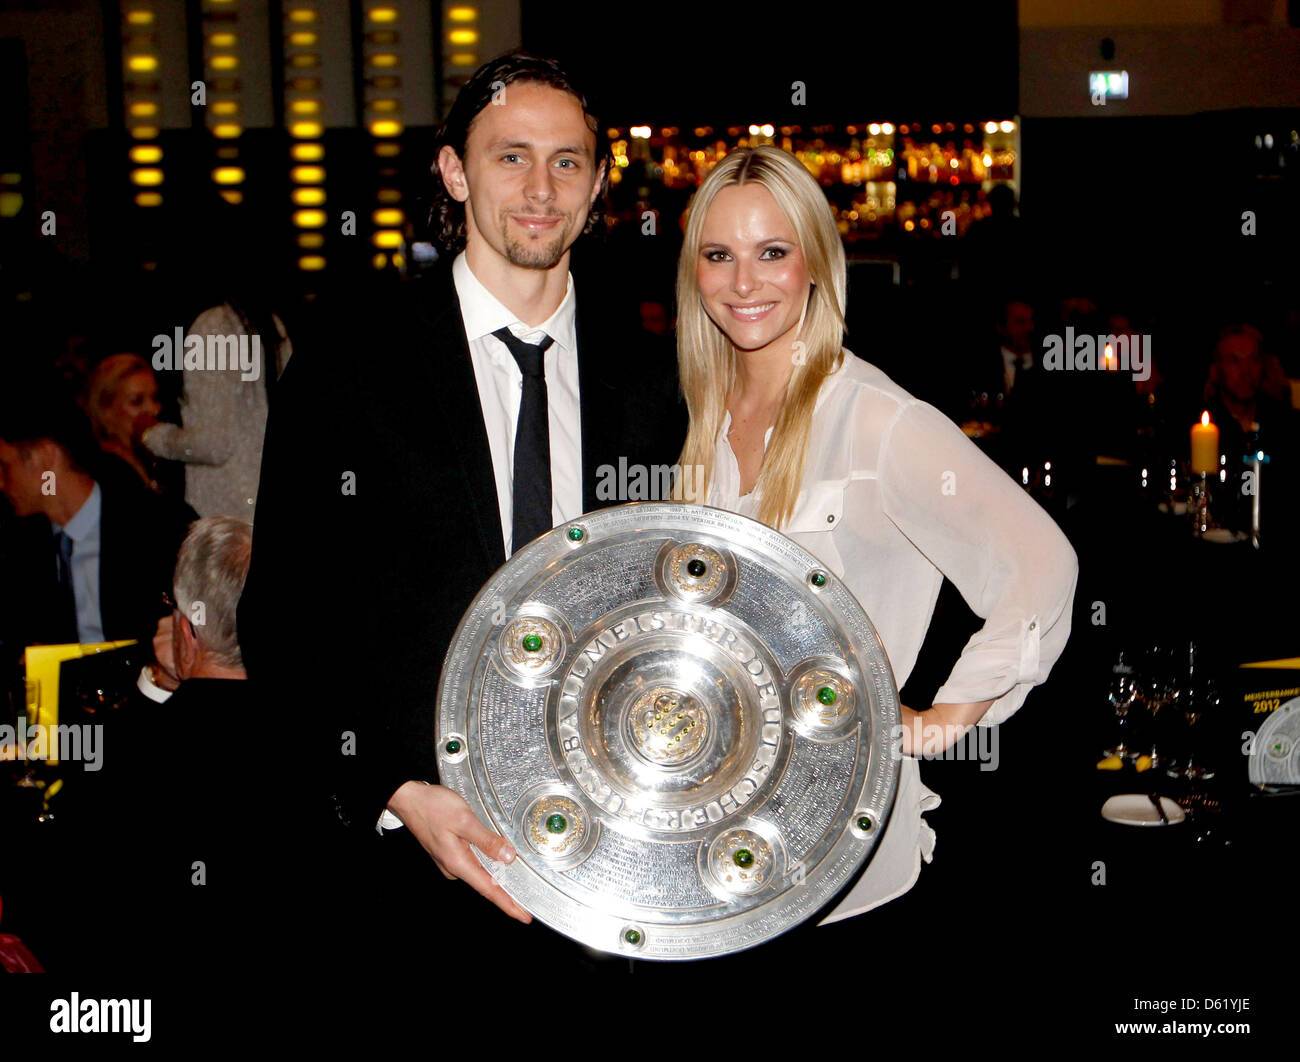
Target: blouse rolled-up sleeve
(1011, 563)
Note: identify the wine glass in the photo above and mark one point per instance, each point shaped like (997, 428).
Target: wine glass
(1123, 693)
(1159, 694)
(1194, 703)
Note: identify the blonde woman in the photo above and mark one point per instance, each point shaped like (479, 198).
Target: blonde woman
(122, 402)
(790, 428)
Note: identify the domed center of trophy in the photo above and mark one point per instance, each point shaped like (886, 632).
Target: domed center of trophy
(668, 727)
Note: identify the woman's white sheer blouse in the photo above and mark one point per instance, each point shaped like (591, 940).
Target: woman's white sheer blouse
(895, 497)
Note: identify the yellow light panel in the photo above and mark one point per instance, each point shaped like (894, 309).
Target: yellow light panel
(145, 154)
(228, 175)
(311, 263)
(388, 217)
(307, 174)
(307, 152)
(141, 64)
(463, 36)
(385, 127)
(148, 199)
(306, 130)
(308, 197)
(387, 238)
(147, 178)
(311, 239)
(309, 219)
(227, 130)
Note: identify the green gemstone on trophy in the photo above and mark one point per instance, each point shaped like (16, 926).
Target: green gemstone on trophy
(575, 534)
(743, 858)
(818, 579)
(826, 695)
(557, 823)
(632, 936)
(864, 823)
(532, 643)
(696, 567)
(453, 747)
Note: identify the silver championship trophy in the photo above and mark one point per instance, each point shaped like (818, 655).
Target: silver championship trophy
(682, 723)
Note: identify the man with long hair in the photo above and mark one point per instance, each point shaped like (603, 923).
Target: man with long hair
(434, 436)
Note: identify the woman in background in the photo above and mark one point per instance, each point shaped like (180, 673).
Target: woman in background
(224, 415)
(791, 429)
(122, 402)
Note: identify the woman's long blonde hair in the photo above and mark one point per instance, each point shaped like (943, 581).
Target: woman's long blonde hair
(706, 358)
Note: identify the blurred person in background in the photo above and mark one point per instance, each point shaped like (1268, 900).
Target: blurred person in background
(122, 403)
(1247, 396)
(210, 881)
(88, 557)
(223, 414)
(1245, 382)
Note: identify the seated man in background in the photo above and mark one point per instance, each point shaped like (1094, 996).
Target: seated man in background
(88, 557)
(186, 868)
(1243, 395)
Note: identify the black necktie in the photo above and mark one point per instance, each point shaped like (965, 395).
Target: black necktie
(66, 605)
(532, 480)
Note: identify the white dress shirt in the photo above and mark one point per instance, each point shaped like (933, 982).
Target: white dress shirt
(1010, 362)
(85, 529)
(500, 389)
(895, 497)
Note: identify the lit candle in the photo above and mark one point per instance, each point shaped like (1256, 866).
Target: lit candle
(1205, 446)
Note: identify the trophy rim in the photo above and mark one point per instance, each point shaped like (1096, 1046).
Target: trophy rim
(608, 924)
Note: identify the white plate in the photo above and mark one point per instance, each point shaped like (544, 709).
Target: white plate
(1135, 809)
(1223, 535)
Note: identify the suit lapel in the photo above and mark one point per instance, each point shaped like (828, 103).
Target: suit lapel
(112, 618)
(451, 381)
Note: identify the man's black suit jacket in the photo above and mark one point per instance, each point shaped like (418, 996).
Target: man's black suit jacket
(140, 535)
(378, 522)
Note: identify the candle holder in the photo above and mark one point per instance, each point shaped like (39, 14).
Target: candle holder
(1202, 521)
